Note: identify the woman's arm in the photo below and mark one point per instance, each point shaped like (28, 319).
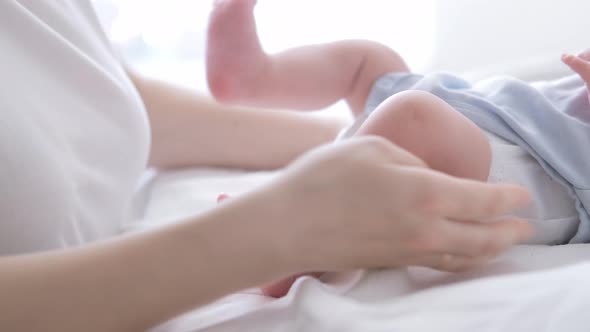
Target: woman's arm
(189, 129)
(361, 203)
(135, 282)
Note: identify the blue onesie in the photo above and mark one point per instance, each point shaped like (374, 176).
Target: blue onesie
(550, 120)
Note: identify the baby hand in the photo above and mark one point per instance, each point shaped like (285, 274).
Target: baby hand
(579, 63)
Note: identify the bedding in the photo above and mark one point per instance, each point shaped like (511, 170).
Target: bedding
(511, 293)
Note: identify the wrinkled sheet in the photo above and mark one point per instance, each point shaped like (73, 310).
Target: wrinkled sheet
(530, 288)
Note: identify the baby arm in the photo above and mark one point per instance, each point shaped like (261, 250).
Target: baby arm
(580, 64)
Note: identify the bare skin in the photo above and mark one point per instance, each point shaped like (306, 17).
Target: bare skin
(303, 221)
(432, 130)
(280, 81)
(580, 64)
(315, 76)
(364, 203)
(189, 129)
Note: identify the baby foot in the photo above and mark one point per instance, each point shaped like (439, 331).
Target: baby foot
(234, 55)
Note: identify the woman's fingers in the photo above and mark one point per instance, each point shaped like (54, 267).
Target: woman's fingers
(458, 245)
(447, 262)
(445, 196)
(477, 239)
(461, 246)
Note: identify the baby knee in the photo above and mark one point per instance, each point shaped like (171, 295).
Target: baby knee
(413, 107)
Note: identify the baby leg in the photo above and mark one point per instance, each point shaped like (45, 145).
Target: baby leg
(303, 78)
(428, 127)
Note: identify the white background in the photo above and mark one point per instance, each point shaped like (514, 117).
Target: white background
(520, 37)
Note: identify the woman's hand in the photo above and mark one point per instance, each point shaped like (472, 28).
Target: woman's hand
(359, 204)
(366, 203)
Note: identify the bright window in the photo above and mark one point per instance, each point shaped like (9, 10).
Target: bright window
(166, 38)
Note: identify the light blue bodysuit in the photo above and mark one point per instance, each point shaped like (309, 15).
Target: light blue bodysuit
(550, 120)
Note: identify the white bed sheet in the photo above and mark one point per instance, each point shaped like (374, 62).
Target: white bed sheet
(530, 288)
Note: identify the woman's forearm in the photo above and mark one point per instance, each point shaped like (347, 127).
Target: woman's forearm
(190, 129)
(134, 282)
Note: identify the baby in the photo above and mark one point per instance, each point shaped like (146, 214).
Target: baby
(499, 130)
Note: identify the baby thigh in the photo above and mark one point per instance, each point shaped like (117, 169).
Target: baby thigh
(431, 129)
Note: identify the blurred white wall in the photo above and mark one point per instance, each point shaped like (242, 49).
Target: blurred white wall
(520, 37)
(408, 26)
(167, 38)
(478, 37)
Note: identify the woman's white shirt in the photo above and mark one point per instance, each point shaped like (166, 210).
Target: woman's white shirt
(74, 135)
